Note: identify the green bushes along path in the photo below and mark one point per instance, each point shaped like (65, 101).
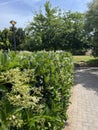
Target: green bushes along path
(34, 90)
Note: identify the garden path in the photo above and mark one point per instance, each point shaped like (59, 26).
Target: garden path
(83, 112)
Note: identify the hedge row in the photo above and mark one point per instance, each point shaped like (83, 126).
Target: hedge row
(34, 90)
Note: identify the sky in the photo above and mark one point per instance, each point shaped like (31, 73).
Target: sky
(22, 10)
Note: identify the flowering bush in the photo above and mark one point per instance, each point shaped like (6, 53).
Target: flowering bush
(35, 90)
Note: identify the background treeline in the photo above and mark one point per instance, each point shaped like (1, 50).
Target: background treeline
(6, 38)
(54, 29)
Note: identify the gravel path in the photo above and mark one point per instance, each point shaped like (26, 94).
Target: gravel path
(83, 112)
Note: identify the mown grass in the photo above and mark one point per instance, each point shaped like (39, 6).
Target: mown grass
(85, 61)
(78, 59)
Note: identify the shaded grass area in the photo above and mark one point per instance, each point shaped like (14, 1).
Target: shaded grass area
(85, 61)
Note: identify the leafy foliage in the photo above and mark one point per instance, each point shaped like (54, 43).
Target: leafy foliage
(54, 29)
(6, 38)
(57, 30)
(35, 90)
(91, 24)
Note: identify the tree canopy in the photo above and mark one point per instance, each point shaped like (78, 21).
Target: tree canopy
(91, 24)
(57, 30)
(54, 29)
(6, 38)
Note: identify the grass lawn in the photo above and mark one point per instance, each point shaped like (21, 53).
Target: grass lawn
(85, 60)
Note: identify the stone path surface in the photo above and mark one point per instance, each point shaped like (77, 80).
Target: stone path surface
(83, 112)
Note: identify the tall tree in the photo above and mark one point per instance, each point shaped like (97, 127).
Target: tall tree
(56, 30)
(45, 29)
(74, 32)
(91, 24)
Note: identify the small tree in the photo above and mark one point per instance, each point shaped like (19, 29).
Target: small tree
(5, 36)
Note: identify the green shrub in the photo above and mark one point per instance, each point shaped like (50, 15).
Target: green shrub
(35, 90)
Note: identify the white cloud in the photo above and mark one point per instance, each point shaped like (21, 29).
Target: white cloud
(7, 15)
(7, 2)
(21, 10)
(31, 2)
(13, 1)
(12, 12)
(22, 21)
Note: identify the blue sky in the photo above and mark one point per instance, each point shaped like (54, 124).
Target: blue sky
(22, 10)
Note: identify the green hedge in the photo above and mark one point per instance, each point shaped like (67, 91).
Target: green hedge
(34, 90)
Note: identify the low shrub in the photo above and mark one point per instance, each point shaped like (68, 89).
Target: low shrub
(35, 90)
